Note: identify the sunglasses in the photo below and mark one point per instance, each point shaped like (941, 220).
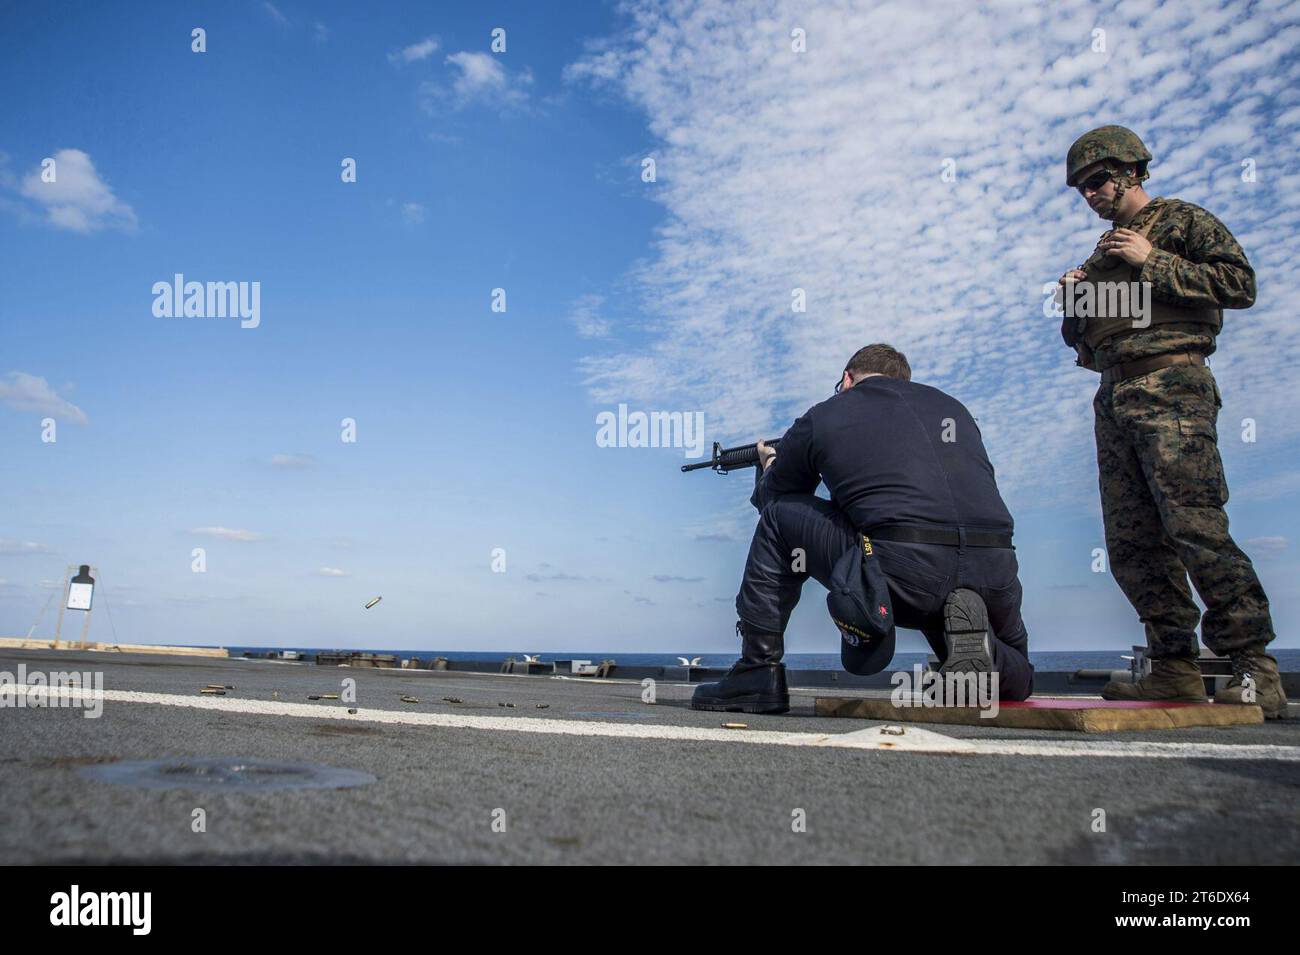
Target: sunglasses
(1094, 182)
(839, 385)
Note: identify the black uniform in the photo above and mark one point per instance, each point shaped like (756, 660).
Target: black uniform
(894, 454)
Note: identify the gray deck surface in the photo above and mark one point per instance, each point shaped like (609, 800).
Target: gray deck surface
(571, 799)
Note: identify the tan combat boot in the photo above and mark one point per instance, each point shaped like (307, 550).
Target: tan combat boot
(1266, 684)
(1174, 680)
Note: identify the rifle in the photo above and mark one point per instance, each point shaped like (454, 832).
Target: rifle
(725, 460)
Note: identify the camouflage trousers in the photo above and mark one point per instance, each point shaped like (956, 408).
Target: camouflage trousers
(1162, 497)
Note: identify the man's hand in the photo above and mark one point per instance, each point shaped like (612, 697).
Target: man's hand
(1130, 246)
(766, 455)
(1074, 275)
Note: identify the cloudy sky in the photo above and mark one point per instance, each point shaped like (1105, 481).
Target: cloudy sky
(901, 163)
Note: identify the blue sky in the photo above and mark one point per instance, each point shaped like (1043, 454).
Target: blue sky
(522, 170)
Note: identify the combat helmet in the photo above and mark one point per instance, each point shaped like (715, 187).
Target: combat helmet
(1107, 142)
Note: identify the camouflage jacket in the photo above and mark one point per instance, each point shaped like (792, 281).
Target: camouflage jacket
(1194, 261)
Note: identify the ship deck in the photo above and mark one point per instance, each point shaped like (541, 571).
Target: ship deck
(582, 770)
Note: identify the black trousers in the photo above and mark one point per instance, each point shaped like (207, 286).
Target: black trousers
(801, 536)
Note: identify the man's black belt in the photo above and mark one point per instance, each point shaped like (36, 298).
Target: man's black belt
(951, 537)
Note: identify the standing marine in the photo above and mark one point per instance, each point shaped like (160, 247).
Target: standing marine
(1167, 269)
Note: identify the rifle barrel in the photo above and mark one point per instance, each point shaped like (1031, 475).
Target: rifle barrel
(725, 460)
(697, 465)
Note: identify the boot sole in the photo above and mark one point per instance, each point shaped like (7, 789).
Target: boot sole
(1202, 698)
(966, 634)
(1269, 714)
(746, 704)
(1156, 699)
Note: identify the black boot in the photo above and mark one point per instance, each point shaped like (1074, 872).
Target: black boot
(966, 634)
(755, 683)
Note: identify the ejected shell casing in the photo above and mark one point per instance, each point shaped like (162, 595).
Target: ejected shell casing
(371, 603)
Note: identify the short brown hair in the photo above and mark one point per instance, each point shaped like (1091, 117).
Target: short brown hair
(881, 359)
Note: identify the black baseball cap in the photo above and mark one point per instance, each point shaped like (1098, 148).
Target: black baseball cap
(859, 604)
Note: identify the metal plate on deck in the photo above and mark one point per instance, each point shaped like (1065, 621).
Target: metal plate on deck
(224, 774)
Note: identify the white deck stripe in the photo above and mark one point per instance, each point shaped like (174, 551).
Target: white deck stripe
(914, 739)
(1138, 749)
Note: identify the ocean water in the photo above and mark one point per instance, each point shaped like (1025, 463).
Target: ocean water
(1047, 660)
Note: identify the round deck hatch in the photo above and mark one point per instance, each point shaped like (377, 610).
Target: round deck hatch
(224, 774)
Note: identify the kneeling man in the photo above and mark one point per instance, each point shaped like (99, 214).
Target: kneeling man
(906, 467)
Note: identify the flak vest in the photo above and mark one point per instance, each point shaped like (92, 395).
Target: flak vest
(1085, 333)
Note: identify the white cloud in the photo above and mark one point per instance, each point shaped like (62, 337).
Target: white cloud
(587, 319)
(1270, 544)
(480, 78)
(415, 52)
(17, 548)
(320, 32)
(31, 393)
(274, 12)
(78, 199)
(226, 533)
(412, 213)
(292, 462)
(1278, 482)
(821, 171)
(332, 572)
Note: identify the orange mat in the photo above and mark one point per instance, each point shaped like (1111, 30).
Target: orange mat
(1082, 715)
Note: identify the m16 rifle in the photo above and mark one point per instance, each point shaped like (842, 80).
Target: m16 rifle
(726, 460)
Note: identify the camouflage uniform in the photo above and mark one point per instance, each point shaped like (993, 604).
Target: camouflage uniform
(1162, 481)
